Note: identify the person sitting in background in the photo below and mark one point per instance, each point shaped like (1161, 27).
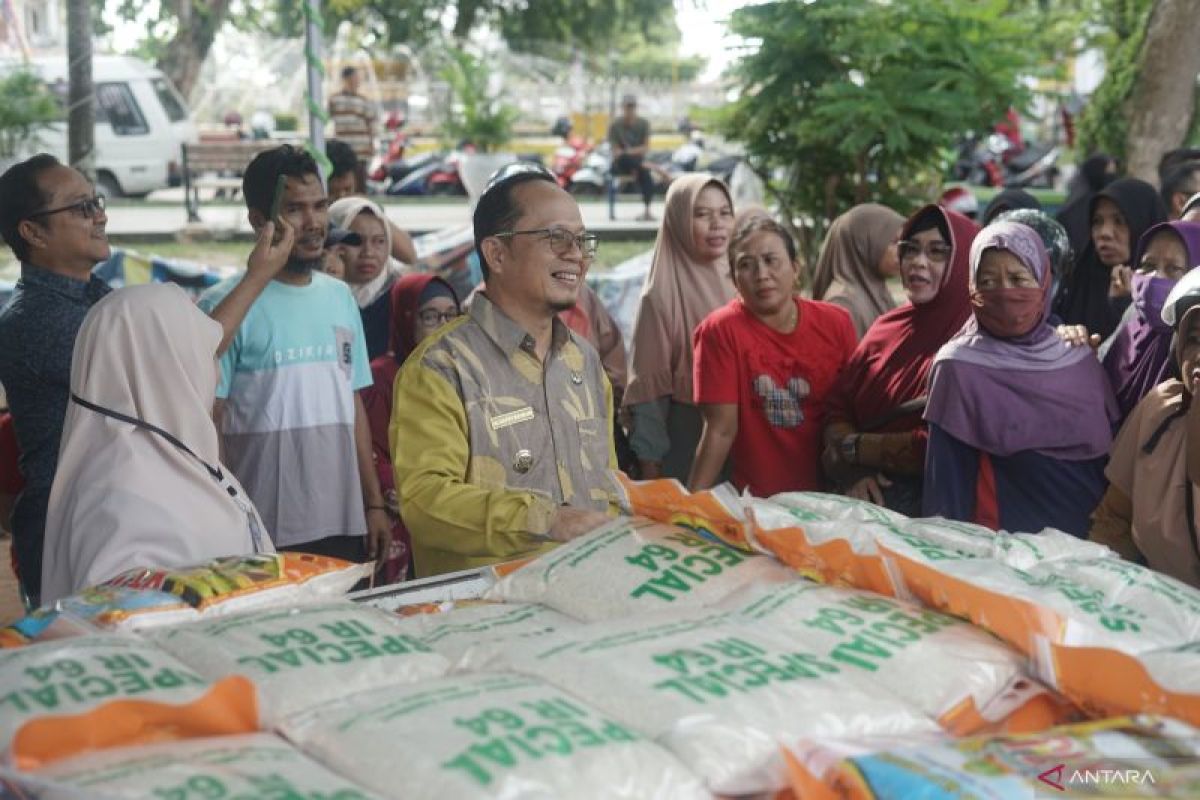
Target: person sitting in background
(1148, 513)
(1178, 186)
(1139, 357)
(1009, 200)
(764, 365)
(1096, 293)
(1019, 422)
(629, 137)
(501, 433)
(338, 244)
(856, 261)
(689, 279)
(874, 434)
(420, 305)
(343, 182)
(370, 270)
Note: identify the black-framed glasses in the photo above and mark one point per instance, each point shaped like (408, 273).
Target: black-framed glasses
(936, 252)
(432, 318)
(84, 208)
(561, 240)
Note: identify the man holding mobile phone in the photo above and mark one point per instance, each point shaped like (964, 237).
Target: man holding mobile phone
(294, 428)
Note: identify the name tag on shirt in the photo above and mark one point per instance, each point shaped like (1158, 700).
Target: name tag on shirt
(511, 418)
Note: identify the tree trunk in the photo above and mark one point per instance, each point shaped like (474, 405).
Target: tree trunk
(198, 27)
(81, 115)
(1162, 102)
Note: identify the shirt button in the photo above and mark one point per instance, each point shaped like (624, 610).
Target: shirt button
(577, 378)
(523, 461)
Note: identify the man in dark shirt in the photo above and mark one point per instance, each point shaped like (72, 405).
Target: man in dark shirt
(629, 136)
(54, 222)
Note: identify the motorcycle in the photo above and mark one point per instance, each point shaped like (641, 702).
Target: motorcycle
(992, 163)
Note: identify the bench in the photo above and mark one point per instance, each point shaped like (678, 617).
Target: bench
(217, 163)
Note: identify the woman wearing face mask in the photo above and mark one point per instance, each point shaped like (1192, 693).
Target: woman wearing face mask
(689, 279)
(764, 365)
(857, 258)
(1148, 513)
(1019, 422)
(874, 435)
(1139, 357)
(370, 271)
(420, 304)
(1096, 293)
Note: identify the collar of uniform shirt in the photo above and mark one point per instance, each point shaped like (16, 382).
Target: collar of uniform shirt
(508, 335)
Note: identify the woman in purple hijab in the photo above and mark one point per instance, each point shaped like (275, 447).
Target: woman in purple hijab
(1020, 424)
(1139, 357)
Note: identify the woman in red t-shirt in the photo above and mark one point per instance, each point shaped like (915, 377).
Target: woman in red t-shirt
(763, 366)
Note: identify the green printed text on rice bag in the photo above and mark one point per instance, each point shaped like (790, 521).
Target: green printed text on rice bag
(538, 729)
(330, 643)
(676, 571)
(866, 639)
(95, 678)
(731, 665)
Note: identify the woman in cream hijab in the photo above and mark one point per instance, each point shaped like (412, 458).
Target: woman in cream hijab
(370, 269)
(689, 279)
(139, 480)
(858, 257)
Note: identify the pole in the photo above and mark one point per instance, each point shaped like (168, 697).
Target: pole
(81, 113)
(315, 96)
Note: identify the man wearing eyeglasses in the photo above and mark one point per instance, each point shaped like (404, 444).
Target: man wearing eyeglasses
(54, 223)
(501, 432)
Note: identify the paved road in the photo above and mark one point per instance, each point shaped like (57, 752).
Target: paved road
(160, 221)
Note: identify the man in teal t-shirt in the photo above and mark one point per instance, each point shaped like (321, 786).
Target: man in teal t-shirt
(293, 427)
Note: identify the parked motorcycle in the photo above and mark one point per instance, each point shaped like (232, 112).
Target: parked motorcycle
(991, 163)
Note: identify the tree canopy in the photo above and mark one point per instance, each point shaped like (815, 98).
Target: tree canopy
(845, 101)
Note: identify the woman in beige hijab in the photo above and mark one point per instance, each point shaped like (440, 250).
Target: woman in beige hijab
(689, 278)
(370, 269)
(858, 257)
(139, 480)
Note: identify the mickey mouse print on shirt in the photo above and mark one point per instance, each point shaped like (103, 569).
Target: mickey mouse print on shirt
(782, 406)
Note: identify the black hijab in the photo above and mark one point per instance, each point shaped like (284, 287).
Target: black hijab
(1075, 214)
(1083, 298)
(1010, 200)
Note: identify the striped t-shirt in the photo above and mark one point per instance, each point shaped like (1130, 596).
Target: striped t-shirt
(354, 122)
(289, 379)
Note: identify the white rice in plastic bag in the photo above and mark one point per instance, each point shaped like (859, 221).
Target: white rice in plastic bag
(717, 693)
(247, 766)
(635, 566)
(472, 636)
(479, 737)
(51, 683)
(305, 656)
(948, 669)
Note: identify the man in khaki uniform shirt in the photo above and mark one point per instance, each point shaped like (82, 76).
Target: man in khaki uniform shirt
(501, 427)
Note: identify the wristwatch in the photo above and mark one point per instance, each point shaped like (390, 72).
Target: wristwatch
(848, 448)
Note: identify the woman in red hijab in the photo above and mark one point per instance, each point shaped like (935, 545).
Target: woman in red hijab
(874, 435)
(421, 304)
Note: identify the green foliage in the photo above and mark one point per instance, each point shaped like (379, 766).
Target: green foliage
(286, 121)
(474, 112)
(1104, 126)
(857, 100)
(26, 107)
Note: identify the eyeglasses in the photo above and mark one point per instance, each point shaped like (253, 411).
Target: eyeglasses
(84, 208)
(936, 252)
(432, 318)
(561, 240)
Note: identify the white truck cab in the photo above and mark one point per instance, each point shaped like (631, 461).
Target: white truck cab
(141, 121)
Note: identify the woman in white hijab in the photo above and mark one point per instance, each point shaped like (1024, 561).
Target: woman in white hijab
(370, 269)
(139, 480)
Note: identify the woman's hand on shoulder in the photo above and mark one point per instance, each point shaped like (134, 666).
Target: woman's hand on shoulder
(1077, 336)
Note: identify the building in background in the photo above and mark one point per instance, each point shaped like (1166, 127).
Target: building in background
(32, 27)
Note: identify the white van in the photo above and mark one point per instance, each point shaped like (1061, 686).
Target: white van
(141, 121)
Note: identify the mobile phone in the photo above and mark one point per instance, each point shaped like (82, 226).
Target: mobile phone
(277, 200)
